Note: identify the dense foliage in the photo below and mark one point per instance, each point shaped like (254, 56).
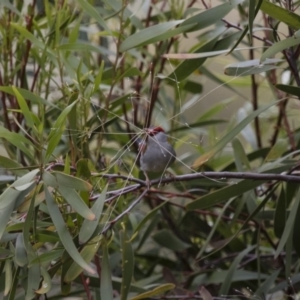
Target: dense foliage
(79, 80)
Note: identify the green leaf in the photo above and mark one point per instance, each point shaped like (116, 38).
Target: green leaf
(24, 108)
(152, 34)
(211, 16)
(91, 11)
(240, 157)
(88, 252)
(69, 181)
(277, 150)
(280, 214)
(166, 238)
(156, 291)
(37, 42)
(79, 47)
(267, 284)
(98, 78)
(45, 236)
(28, 95)
(223, 194)
(129, 73)
(17, 140)
(46, 283)
(9, 197)
(88, 227)
(118, 6)
(296, 235)
(250, 67)
(83, 168)
(281, 14)
(12, 166)
(278, 47)
(106, 289)
(184, 56)
(127, 264)
(33, 281)
(213, 230)
(10, 6)
(251, 18)
(63, 232)
(233, 268)
(76, 202)
(148, 217)
(60, 121)
(47, 257)
(187, 67)
(289, 226)
(20, 254)
(8, 277)
(230, 135)
(57, 130)
(293, 90)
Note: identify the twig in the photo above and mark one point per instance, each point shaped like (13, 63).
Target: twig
(86, 286)
(126, 211)
(255, 104)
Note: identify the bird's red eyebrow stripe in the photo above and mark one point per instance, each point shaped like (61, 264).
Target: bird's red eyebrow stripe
(154, 130)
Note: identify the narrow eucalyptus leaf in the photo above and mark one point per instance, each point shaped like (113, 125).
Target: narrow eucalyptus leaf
(63, 232)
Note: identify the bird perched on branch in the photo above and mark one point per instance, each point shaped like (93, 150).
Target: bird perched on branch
(157, 154)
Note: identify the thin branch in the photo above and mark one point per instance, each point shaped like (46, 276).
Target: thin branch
(86, 286)
(255, 104)
(126, 211)
(211, 175)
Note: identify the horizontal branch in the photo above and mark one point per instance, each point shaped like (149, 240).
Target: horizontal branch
(211, 175)
(201, 175)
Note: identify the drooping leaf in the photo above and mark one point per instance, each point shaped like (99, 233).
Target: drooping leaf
(88, 227)
(288, 229)
(87, 253)
(24, 108)
(21, 255)
(166, 238)
(8, 277)
(28, 95)
(76, 202)
(17, 140)
(233, 268)
(280, 214)
(46, 284)
(57, 130)
(69, 181)
(232, 134)
(63, 232)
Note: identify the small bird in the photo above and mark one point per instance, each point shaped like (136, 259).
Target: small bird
(157, 154)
